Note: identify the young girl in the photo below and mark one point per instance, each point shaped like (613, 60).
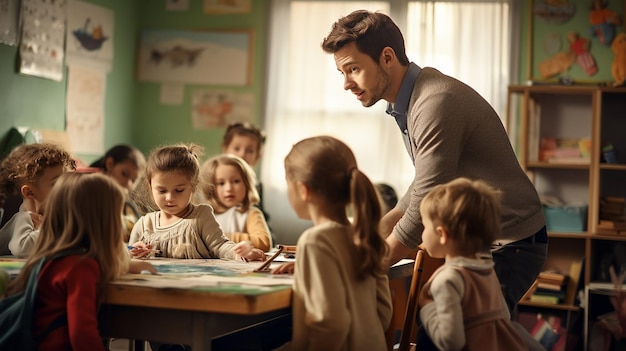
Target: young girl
(341, 298)
(125, 163)
(230, 190)
(461, 305)
(180, 229)
(31, 171)
(245, 140)
(82, 214)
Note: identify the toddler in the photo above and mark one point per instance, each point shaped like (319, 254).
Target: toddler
(230, 190)
(180, 229)
(125, 164)
(30, 170)
(82, 221)
(341, 298)
(461, 305)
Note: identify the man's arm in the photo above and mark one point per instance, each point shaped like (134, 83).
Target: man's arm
(397, 250)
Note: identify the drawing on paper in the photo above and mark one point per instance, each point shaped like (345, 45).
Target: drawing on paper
(195, 57)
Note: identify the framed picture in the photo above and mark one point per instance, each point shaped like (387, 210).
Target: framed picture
(222, 7)
(571, 40)
(196, 57)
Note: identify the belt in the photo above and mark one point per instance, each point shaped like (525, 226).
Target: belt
(540, 237)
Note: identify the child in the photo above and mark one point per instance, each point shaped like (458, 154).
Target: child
(125, 164)
(230, 190)
(31, 170)
(341, 298)
(461, 220)
(180, 229)
(246, 141)
(82, 214)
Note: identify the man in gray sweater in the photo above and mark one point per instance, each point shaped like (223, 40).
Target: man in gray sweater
(450, 131)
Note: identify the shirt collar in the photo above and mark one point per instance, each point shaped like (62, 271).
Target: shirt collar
(399, 108)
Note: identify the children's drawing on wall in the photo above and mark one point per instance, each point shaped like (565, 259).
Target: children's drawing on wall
(218, 108)
(85, 109)
(603, 22)
(89, 35)
(41, 47)
(554, 11)
(227, 6)
(618, 67)
(9, 21)
(200, 57)
(572, 45)
(580, 47)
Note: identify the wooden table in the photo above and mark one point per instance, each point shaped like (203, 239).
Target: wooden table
(195, 316)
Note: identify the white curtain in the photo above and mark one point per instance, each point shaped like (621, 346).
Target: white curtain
(305, 95)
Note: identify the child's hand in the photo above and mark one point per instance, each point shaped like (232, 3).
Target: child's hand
(245, 250)
(36, 218)
(139, 249)
(137, 267)
(285, 268)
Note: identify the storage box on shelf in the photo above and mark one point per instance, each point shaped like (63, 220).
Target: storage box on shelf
(571, 141)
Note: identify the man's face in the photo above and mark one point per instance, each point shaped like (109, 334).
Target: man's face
(362, 75)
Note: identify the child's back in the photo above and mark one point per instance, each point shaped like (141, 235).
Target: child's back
(341, 298)
(462, 306)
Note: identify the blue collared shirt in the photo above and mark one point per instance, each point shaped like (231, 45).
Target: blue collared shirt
(399, 108)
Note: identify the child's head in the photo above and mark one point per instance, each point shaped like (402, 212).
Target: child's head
(84, 211)
(172, 173)
(388, 195)
(244, 140)
(229, 181)
(124, 163)
(322, 171)
(461, 218)
(32, 170)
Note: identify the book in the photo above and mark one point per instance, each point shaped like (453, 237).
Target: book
(545, 299)
(551, 277)
(549, 286)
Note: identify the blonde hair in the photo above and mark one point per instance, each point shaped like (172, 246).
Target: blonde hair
(27, 162)
(207, 175)
(83, 211)
(468, 209)
(328, 168)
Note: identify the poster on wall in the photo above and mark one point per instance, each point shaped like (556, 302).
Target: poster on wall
(218, 108)
(575, 42)
(89, 35)
(195, 57)
(216, 7)
(43, 34)
(85, 110)
(9, 21)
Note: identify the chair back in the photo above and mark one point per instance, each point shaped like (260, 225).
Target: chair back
(425, 266)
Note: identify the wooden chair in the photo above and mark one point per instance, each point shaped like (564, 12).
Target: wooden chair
(424, 267)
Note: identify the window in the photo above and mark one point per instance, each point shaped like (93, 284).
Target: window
(468, 40)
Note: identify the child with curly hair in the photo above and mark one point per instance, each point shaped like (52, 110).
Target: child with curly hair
(30, 170)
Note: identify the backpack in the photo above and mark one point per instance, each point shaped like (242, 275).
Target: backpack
(17, 312)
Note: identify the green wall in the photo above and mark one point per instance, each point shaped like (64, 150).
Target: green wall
(133, 113)
(39, 103)
(155, 124)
